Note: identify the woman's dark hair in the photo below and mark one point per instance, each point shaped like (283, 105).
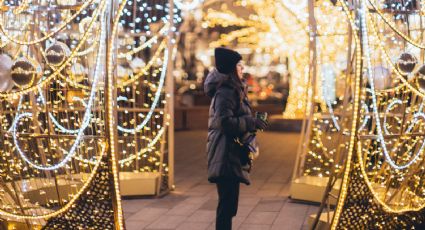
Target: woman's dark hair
(234, 81)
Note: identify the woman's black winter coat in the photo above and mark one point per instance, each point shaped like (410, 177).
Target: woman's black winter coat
(229, 118)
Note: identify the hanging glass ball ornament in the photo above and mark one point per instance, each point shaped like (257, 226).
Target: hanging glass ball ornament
(57, 53)
(420, 78)
(6, 82)
(78, 72)
(84, 25)
(24, 73)
(158, 62)
(123, 74)
(137, 64)
(406, 63)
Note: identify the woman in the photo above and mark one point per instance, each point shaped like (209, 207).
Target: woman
(230, 118)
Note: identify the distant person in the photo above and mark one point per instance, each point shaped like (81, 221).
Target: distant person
(230, 118)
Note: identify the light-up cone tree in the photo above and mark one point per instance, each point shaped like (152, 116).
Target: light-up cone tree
(382, 172)
(61, 146)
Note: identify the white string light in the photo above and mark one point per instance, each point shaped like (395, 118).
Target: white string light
(86, 119)
(366, 118)
(155, 101)
(150, 145)
(389, 107)
(56, 122)
(334, 118)
(381, 139)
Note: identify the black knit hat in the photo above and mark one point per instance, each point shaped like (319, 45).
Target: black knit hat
(226, 60)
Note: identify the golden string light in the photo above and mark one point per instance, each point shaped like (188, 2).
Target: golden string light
(358, 72)
(146, 44)
(266, 31)
(15, 94)
(51, 34)
(68, 205)
(394, 27)
(145, 69)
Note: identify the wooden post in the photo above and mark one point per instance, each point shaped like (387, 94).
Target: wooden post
(170, 95)
(308, 120)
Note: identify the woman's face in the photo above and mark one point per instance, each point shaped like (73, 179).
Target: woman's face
(239, 69)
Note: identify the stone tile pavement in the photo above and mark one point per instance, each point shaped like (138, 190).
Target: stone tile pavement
(263, 205)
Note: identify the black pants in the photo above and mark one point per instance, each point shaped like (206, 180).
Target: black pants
(228, 197)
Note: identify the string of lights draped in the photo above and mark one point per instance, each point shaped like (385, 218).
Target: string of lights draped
(405, 156)
(142, 119)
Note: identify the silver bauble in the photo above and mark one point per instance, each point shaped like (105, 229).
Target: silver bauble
(6, 82)
(57, 53)
(24, 73)
(420, 78)
(137, 64)
(78, 72)
(406, 63)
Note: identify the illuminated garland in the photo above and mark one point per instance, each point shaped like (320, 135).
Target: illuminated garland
(374, 104)
(51, 34)
(56, 122)
(144, 150)
(389, 107)
(155, 101)
(86, 119)
(110, 116)
(360, 153)
(67, 79)
(374, 100)
(145, 69)
(146, 44)
(396, 70)
(56, 73)
(394, 28)
(344, 185)
(266, 31)
(8, 41)
(366, 118)
(17, 109)
(68, 205)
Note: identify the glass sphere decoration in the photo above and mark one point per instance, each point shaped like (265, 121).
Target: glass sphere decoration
(137, 64)
(78, 72)
(420, 78)
(406, 63)
(57, 53)
(84, 27)
(6, 82)
(24, 73)
(123, 74)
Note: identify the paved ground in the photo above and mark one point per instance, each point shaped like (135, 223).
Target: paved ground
(263, 205)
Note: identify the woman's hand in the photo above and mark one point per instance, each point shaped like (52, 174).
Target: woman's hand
(260, 124)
